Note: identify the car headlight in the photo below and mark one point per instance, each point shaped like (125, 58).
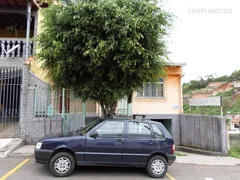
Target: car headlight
(38, 145)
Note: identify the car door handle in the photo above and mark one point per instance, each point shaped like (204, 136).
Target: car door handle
(151, 142)
(120, 140)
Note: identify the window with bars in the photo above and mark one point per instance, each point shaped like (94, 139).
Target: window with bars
(154, 90)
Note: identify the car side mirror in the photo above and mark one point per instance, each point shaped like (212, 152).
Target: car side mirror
(94, 134)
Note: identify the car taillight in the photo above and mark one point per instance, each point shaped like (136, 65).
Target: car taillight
(173, 148)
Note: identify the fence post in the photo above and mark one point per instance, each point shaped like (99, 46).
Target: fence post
(63, 108)
(23, 103)
(221, 106)
(84, 113)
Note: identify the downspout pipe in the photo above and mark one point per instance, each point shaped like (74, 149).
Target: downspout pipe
(28, 28)
(181, 91)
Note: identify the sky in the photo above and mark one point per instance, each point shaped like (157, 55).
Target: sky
(205, 36)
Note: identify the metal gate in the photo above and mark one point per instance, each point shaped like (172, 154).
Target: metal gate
(10, 93)
(59, 105)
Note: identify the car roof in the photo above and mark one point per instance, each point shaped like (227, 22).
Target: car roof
(130, 119)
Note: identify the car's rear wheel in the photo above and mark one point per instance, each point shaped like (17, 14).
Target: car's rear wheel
(157, 166)
(62, 164)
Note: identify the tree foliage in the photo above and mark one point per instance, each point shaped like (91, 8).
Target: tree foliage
(197, 84)
(104, 49)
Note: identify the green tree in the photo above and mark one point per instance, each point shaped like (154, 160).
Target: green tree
(235, 76)
(200, 83)
(224, 78)
(104, 49)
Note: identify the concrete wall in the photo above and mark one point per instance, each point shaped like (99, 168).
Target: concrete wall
(234, 140)
(11, 62)
(31, 129)
(204, 132)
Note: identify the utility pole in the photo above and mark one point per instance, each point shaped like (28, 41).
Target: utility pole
(28, 28)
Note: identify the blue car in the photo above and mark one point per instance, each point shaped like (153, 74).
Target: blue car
(109, 142)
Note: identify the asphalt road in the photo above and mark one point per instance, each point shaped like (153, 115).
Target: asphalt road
(10, 168)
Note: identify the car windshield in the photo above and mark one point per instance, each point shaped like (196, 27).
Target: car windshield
(90, 126)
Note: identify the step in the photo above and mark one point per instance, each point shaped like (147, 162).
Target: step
(7, 146)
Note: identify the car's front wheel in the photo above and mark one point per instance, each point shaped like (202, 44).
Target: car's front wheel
(62, 164)
(157, 166)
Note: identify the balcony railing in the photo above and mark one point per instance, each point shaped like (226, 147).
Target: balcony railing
(19, 51)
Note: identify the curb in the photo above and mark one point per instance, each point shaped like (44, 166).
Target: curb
(18, 155)
(209, 164)
(200, 151)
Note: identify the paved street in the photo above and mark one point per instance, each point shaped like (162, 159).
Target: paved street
(30, 170)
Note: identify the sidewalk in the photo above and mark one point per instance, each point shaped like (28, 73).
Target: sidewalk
(9, 145)
(206, 160)
(27, 151)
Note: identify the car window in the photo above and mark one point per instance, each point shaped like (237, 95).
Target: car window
(111, 129)
(139, 130)
(90, 126)
(157, 132)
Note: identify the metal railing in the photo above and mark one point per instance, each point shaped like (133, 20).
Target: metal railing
(10, 92)
(42, 94)
(62, 105)
(17, 45)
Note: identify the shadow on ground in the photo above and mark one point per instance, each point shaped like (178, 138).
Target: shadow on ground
(99, 171)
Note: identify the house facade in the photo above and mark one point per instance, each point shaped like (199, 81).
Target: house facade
(161, 101)
(29, 108)
(13, 30)
(164, 97)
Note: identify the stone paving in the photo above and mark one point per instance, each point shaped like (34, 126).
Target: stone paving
(207, 160)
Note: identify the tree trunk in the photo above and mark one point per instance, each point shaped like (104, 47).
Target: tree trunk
(113, 108)
(108, 110)
(103, 109)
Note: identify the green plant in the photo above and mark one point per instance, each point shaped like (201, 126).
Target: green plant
(208, 110)
(235, 151)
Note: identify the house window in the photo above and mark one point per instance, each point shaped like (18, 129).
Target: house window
(152, 90)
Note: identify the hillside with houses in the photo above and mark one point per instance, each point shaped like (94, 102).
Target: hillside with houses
(228, 87)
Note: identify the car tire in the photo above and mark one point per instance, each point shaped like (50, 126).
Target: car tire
(157, 167)
(62, 164)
